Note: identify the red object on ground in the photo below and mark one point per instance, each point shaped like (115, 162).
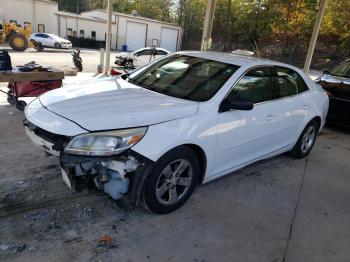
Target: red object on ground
(33, 88)
(115, 72)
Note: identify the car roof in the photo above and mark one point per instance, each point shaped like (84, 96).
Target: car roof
(236, 59)
(148, 47)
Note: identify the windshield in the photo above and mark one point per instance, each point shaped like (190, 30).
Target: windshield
(186, 77)
(341, 70)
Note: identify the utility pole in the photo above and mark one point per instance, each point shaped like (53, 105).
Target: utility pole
(208, 25)
(108, 38)
(314, 36)
(227, 22)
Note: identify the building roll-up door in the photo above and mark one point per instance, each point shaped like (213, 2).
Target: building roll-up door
(168, 38)
(135, 35)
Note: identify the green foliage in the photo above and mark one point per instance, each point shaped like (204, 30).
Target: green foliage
(248, 24)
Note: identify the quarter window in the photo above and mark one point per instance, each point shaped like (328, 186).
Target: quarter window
(255, 86)
(288, 82)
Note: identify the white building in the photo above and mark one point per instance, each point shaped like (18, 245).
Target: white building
(133, 31)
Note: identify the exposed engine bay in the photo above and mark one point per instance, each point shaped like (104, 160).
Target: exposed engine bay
(115, 175)
(110, 176)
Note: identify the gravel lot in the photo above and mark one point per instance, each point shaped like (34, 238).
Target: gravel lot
(61, 59)
(276, 210)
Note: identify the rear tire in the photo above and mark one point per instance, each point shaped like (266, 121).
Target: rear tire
(18, 42)
(306, 141)
(171, 181)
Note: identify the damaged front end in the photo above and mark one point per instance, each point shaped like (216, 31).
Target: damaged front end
(113, 175)
(100, 159)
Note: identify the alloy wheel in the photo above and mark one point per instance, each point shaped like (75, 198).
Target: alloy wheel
(308, 139)
(174, 182)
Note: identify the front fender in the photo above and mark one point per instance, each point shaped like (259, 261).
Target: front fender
(199, 130)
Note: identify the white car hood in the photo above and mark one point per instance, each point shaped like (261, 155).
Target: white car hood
(113, 104)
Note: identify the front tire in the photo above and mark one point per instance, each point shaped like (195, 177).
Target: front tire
(18, 42)
(306, 141)
(172, 181)
(57, 45)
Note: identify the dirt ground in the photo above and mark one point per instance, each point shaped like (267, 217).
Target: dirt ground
(276, 210)
(61, 58)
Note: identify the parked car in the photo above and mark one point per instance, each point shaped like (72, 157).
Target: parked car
(140, 57)
(51, 40)
(183, 120)
(336, 82)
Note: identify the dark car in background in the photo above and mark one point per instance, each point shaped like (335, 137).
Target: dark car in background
(336, 82)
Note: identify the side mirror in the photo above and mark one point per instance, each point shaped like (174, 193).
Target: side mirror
(236, 105)
(325, 71)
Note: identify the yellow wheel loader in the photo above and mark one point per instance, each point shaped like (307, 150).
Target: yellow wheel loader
(16, 35)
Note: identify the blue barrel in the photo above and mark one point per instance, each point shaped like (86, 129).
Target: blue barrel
(125, 48)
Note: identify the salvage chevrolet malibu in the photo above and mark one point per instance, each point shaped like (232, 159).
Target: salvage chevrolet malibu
(183, 120)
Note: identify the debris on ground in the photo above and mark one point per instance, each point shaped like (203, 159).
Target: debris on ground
(105, 241)
(17, 248)
(71, 235)
(32, 249)
(4, 247)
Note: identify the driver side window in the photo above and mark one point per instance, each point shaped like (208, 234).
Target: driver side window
(255, 86)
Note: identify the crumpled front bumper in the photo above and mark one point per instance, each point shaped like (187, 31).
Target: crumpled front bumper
(119, 175)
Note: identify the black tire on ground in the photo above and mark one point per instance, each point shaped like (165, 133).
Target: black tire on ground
(11, 99)
(79, 66)
(306, 141)
(57, 45)
(20, 105)
(18, 42)
(158, 179)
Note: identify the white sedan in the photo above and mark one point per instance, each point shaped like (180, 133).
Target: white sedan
(51, 40)
(140, 57)
(184, 120)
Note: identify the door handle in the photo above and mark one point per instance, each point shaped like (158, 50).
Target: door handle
(270, 117)
(306, 107)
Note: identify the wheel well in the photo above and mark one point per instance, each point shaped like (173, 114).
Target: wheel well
(202, 160)
(317, 119)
